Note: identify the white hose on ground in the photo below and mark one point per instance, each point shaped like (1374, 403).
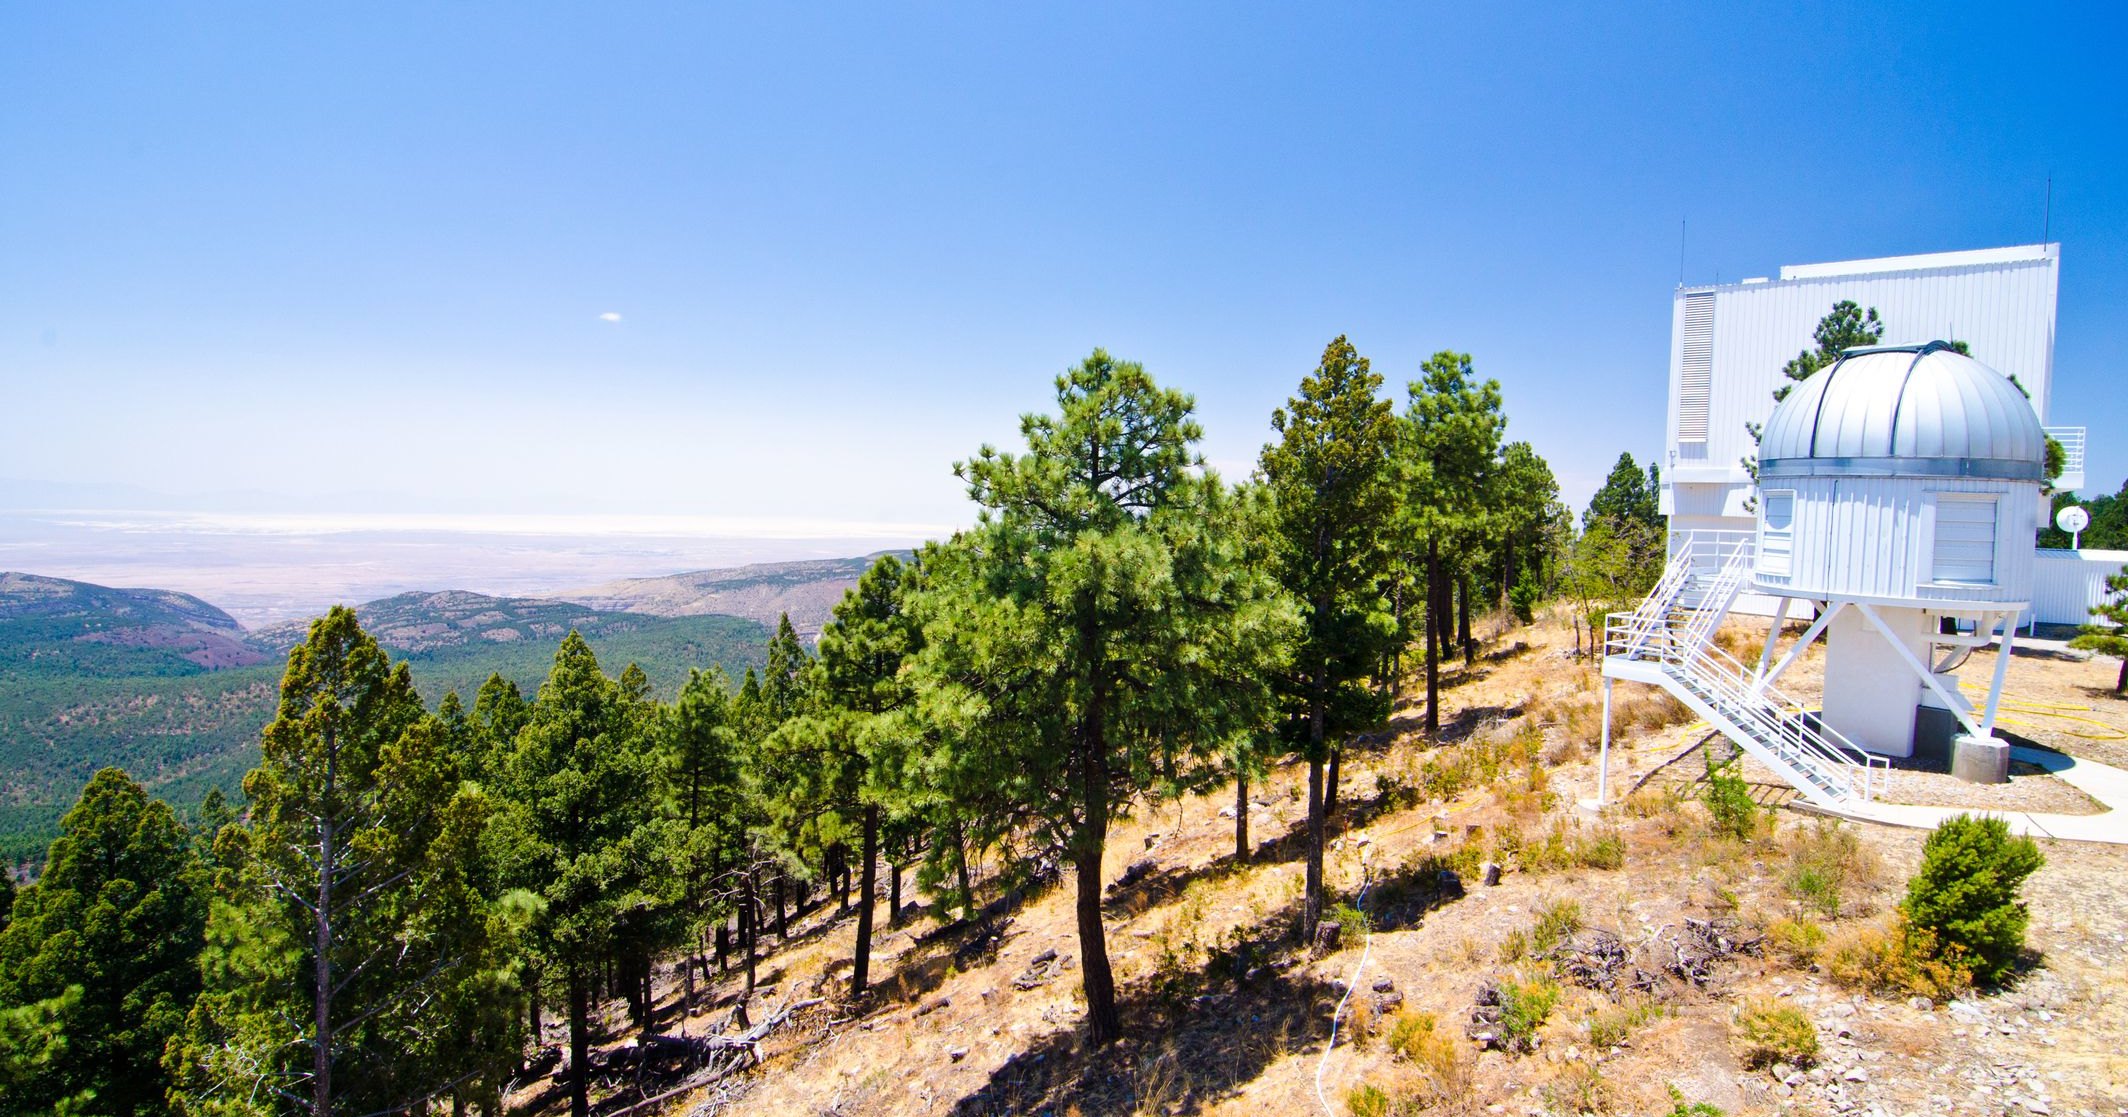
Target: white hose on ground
(1366, 947)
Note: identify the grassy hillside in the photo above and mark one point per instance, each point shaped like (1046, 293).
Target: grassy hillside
(73, 700)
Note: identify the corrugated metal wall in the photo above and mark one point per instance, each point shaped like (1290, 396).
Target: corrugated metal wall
(2066, 584)
(2005, 311)
(1872, 537)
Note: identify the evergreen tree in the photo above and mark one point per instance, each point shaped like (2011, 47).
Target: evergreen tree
(348, 928)
(856, 737)
(1451, 448)
(1331, 498)
(582, 834)
(1525, 495)
(1627, 495)
(32, 1045)
(1097, 628)
(2110, 639)
(700, 764)
(119, 917)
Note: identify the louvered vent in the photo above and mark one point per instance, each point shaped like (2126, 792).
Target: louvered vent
(1697, 377)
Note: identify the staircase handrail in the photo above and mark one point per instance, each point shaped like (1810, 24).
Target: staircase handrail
(1761, 708)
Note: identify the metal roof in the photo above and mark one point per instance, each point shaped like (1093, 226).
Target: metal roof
(1909, 411)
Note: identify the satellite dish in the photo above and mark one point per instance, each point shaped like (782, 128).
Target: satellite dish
(2073, 519)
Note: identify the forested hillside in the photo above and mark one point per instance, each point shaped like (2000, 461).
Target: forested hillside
(169, 688)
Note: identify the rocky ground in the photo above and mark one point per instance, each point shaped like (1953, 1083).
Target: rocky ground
(1226, 1014)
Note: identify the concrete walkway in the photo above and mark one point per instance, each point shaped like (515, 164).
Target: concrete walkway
(2106, 784)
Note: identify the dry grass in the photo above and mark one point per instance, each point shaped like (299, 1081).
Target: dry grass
(1502, 792)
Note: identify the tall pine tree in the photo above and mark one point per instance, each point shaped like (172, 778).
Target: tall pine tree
(347, 915)
(1451, 446)
(1099, 627)
(120, 917)
(576, 781)
(1332, 501)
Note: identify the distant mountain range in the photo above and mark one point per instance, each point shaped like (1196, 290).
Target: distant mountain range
(806, 591)
(175, 691)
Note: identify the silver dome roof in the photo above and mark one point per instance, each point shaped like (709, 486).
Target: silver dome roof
(1908, 410)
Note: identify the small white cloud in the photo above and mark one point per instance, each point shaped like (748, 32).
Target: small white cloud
(609, 316)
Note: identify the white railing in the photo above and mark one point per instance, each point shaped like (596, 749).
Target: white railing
(1819, 754)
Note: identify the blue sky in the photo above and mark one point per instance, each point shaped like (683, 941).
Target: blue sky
(357, 259)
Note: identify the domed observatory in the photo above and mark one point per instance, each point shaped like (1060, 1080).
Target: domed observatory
(1899, 491)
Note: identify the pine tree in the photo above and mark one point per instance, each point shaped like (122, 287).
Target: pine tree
(120, 917)
(1331, 497)
(576, 781)
(32, 1047)
(1525, 496)
(1627, 495)
(2110, 640)
(864, 689)
(348, 925)
(1095, 629)
(700, 765)
(1451, 445)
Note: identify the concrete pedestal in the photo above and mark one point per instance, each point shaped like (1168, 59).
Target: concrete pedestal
(1980, 759)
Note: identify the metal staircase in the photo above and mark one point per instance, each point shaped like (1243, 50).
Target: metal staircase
(1669, 641)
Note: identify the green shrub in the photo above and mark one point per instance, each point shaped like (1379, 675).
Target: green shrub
(1965, 894)
(1797, 940)
(1556, 920)
(1524, 1007)
(1826, 862)
(1615, 1025)
(1523, 598)
(1352, 923)
(1728, 799)
(1604, 851)
(1367, 1100)
(1776, 1033)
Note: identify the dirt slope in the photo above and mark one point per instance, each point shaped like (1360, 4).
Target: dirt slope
(1227, 1015)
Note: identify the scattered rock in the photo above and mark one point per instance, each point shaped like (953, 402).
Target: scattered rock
(1489, 873)
(1384, 984)
(956, 1053)
(1921, 1004)
(933, 1005)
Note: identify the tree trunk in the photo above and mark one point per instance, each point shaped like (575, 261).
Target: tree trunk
(960, 864)
(723, 942)
(1337, 764)
(2120, 683)
(1311, 911)
(861, 970)
(532, 996)
(1470, 646)
(579, 1042)
(322, 942)
(749, 924)
(894, 895)
(783, 919)
(1433, 641)
(1241, 815)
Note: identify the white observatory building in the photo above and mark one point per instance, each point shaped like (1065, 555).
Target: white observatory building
(1898, 494)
